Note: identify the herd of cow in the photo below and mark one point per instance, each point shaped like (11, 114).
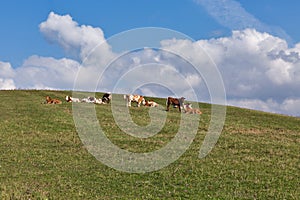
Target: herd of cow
(140, 100)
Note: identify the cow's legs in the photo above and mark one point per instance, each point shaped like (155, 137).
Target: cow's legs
(168, 106)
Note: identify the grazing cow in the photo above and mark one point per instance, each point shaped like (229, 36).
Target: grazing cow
(189, 110)
(72, 99)
(151, 103)
(106, 98)
(175, 102)
(52, 101)
(134, 98)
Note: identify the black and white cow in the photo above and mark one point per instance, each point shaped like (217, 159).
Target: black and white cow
(106, 98)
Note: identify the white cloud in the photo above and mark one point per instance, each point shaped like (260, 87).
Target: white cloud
(7, 74)
(289, 106)
(230, 13)
(247, 63)
(7, 84)
(46, 72)
(75, 39)
(6, 71)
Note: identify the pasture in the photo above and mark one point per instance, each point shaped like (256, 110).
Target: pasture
(42, 157)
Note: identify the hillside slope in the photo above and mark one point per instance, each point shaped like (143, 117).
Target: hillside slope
(42, 156)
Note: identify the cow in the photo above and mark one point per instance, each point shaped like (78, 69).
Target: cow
(187, 106)
(72, 99)
(134, 98)
(106, 98)
(52, 101)
(92, 100)
(88, 100)
(189, 110)
(98, 101)
(175, 102)
(151, 103)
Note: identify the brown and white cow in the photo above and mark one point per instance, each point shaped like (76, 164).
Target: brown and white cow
(175, 102)
(151, 103)
(134, 98)
(52, 101)
(189, 110)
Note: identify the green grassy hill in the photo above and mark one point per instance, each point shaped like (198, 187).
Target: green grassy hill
(42, 156)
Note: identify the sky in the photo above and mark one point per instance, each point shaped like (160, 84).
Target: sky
(254, 45)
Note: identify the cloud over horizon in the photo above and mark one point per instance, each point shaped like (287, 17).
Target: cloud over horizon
(259, 70)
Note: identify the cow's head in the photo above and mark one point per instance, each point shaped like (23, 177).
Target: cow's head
(181, 100)
(48, 98)
(68, 99)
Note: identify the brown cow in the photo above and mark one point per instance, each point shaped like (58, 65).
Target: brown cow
(175, 102)
(52, 101)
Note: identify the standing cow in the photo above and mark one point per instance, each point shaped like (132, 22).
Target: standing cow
(175, 102)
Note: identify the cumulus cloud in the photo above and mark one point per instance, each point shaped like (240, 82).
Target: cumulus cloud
(6, 70)
(245, 62)
(7, 84)
(7, 74)
(87, 43)
(75, 39)
(47, 73)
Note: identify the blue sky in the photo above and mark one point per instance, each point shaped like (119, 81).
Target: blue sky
(20, 36)
(20, 21)
(255, 43)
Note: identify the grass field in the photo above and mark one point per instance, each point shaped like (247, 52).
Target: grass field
(42, 156)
